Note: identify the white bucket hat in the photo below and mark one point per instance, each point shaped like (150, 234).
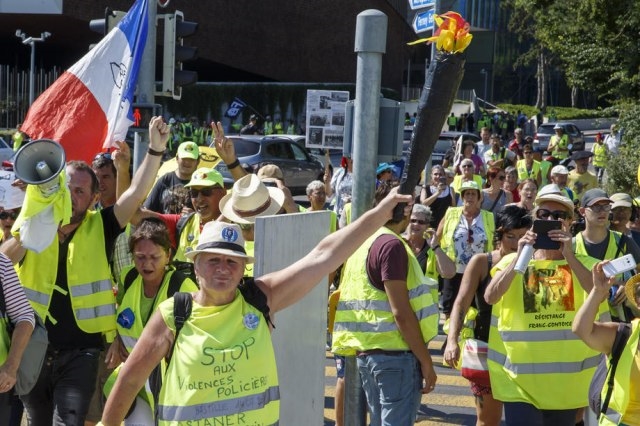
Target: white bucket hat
(250, 198)
(222, 238)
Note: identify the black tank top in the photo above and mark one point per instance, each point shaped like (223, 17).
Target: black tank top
(483, 320)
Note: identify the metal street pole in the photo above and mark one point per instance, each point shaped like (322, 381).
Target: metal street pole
(370, 45)
(486, 75)
(31, 41)
(146, 84)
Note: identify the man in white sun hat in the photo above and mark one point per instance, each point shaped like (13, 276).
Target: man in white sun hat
(222, 322)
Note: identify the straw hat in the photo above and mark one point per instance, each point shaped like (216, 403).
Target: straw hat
(222, 238)
(250, 198)
(630, 289)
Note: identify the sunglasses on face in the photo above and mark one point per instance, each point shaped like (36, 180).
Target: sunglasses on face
(206, 192)
(600, 208)
(8, 215)
(501, 177)
(556, 214)
(528, 152)
(466, 166)
(419, 221)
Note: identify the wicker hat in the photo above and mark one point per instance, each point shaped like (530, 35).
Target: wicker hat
(631, 289)
(251, 198)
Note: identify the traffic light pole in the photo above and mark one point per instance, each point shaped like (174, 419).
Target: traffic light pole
(146, 83)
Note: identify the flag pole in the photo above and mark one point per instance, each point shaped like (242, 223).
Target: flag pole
(146, 83)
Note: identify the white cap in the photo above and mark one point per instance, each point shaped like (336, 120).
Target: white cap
(559, 170)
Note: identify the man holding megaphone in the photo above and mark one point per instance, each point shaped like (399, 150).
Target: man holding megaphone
(69, 282)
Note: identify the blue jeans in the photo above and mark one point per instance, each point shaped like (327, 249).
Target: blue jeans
(392, 384)
(523, 414)
(64, 388)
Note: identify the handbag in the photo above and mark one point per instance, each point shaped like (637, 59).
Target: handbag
(474, 362)
(33, 355)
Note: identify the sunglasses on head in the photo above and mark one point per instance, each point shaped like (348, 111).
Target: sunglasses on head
(106, 155)
(8, 215)
(470, 236)
(556, 214)
(206, 192)
(419, 221)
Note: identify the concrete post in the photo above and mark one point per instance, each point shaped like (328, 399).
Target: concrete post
(146, 83)
(370, 45)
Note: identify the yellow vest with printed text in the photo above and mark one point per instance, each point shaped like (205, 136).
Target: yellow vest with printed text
(364, 319)
(523, 173)
(622, 385)
(451, 221)
(88, 277)
(188, 238)
(534, 357)
(223, 368)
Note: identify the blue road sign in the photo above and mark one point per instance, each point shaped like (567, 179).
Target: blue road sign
(419, 4)
(423, 21)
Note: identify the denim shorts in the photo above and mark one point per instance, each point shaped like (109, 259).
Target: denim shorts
(392, 384)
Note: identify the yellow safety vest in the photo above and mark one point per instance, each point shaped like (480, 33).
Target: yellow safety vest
(457, 182)
(599, 155)
(249, 247)
(451, 220)
(452, 120)
(5, 339)
(188, 238)
(523, 173)
(88, 278)
(223, 368)
(544, 168)
(620, 397)
(129, 336)
(364, 319)
(560, 143)
(534, 357)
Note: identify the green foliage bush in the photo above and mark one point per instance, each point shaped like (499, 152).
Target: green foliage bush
(562, 113)
(622, 170)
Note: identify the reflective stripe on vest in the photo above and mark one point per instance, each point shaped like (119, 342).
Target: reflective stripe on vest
(128, 341)
(543, 367)
(91, 288)
(35, 296)
(619, 401)
(220, 408)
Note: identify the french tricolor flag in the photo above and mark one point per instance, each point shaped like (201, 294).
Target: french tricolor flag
(88, 108)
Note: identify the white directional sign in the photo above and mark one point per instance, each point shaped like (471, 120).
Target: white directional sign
(419, 4)
(423, 21)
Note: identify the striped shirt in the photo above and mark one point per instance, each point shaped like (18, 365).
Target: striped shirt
(18, 306)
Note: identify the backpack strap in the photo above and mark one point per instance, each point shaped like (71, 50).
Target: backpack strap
(622, 336)
(129, 279)
(175, 282)
(254, 296)
(182, 222)
(181, 312)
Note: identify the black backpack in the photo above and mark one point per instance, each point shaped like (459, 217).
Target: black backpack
(597, 382)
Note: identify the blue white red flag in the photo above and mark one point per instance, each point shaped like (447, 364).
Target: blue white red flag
(89, 107)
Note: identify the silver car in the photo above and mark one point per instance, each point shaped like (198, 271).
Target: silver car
(288, 152)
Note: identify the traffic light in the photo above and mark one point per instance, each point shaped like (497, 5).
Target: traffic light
(142, 114)
(175, 53)
(105, 25)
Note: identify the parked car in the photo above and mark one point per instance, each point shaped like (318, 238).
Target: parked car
(288, 152)
(545, 131)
